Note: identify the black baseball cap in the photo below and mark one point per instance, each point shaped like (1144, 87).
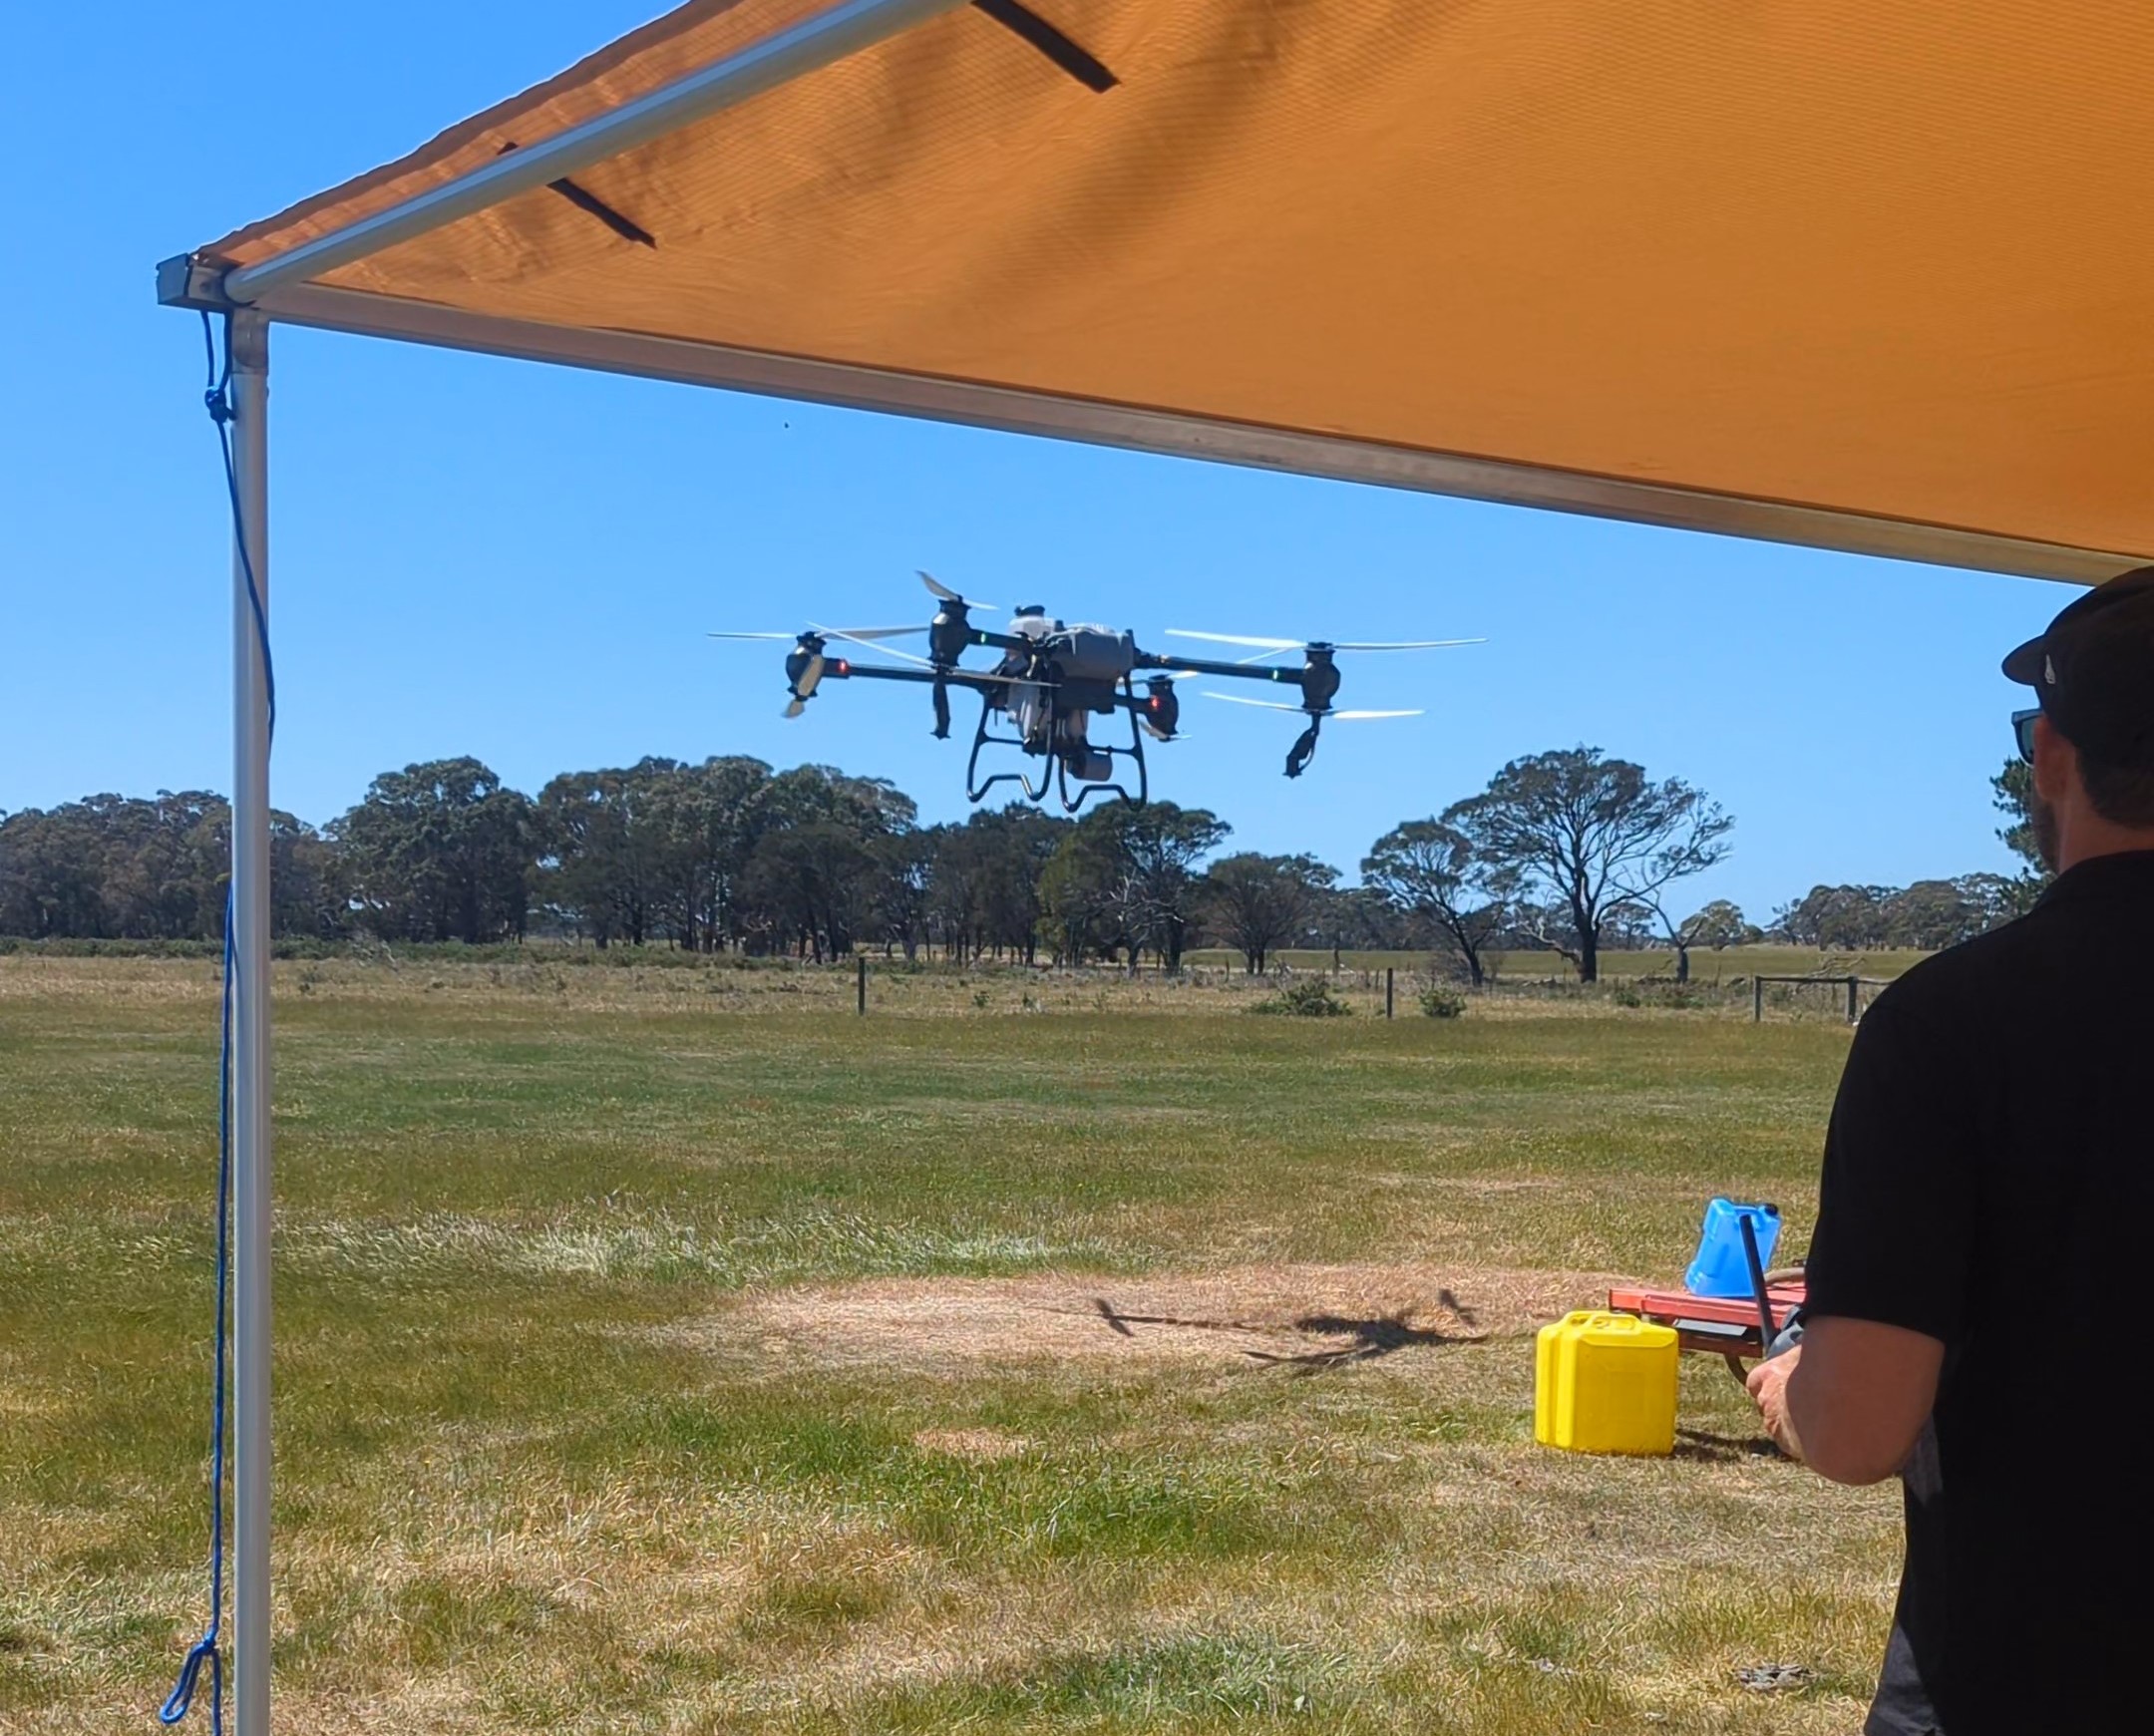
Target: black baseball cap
(2093, 669)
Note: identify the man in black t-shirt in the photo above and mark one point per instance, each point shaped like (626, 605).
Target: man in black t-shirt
(1978, 1262)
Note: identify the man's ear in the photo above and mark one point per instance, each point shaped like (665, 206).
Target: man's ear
(2057, 761)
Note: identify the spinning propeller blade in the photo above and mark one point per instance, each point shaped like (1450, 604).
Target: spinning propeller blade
(1271, 647)
(1303, 711)
(845, 633)
(1409, 645)
(1264, 704)
(868, 639)
(1236, 639)
(962, 676)
(937, 587)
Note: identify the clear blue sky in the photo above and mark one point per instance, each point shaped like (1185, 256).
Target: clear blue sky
(486, 557)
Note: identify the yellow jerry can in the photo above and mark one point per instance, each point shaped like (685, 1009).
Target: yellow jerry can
(1604, 1383)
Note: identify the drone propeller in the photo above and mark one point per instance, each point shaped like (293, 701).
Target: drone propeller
(936, 589)
(1271, 647)
(1404, 645)
(1303, 711)
(967, 675)
(803, 670)
(1234, 640)
(869, 639)
(1238, 699)
(846, 633)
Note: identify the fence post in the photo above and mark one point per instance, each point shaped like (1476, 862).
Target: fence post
(860, 990)
(1387, 992)
(1757, 1000)
(1853, 983)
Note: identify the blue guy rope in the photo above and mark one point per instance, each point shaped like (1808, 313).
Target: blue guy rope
(209, 1649)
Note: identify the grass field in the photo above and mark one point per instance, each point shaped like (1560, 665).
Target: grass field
(672, 1351)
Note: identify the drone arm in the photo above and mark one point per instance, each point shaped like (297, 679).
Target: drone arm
(841, 669)
(998, 642)
(1209, 666)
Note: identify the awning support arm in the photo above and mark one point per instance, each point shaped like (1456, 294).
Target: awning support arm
(829, 35)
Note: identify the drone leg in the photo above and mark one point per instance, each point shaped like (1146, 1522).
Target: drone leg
(974, 788)
(1085, 792)
(942, 711)
(1136, 747)
(1303, 751)
(977, 788)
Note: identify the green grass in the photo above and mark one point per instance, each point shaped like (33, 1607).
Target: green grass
(593, 1412)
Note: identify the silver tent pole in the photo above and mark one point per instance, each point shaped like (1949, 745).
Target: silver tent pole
(250, 1032)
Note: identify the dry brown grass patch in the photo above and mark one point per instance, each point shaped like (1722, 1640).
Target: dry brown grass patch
(1305, 1315)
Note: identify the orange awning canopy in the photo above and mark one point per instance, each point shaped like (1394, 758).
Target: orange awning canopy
(1874, 276)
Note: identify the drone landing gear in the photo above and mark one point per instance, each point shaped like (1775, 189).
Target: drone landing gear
(1084, 787)
(977, 786)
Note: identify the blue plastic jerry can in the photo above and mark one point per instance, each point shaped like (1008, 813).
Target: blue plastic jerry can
(1721, 1267)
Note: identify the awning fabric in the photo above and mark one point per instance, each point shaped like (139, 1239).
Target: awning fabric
(1887, 265)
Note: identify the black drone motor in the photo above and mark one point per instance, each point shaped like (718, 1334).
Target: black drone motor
(1319, 678)
(950, 634)
(1161, 713)
(1319, 685)
(947, 636)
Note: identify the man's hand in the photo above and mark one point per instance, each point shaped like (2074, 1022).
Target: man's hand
(1768, 1387)
(1851, 1399)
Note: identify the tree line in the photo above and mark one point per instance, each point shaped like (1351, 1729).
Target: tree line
(1569, 852)
(1930, 914)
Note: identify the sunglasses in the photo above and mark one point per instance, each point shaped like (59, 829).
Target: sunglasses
(2023, 731)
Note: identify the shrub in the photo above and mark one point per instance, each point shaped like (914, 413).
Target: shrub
(1312, 999)
(1442, 1002)
(1669, 996)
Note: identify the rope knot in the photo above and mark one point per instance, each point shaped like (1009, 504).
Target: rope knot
(176, 1703)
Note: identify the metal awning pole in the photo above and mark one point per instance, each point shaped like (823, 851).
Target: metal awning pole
(250, 1032)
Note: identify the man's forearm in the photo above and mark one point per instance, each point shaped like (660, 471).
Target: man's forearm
(1858, 1396)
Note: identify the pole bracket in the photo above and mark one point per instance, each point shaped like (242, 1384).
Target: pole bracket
(190, 280)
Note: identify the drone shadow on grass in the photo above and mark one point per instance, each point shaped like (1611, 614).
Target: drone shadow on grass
(1357, 1338)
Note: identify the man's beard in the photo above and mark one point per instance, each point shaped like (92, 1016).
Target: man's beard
(2041, 816)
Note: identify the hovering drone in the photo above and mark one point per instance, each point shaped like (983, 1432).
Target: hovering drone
(1053, 679)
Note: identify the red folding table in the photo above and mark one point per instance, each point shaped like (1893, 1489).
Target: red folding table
(1726, 1327)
